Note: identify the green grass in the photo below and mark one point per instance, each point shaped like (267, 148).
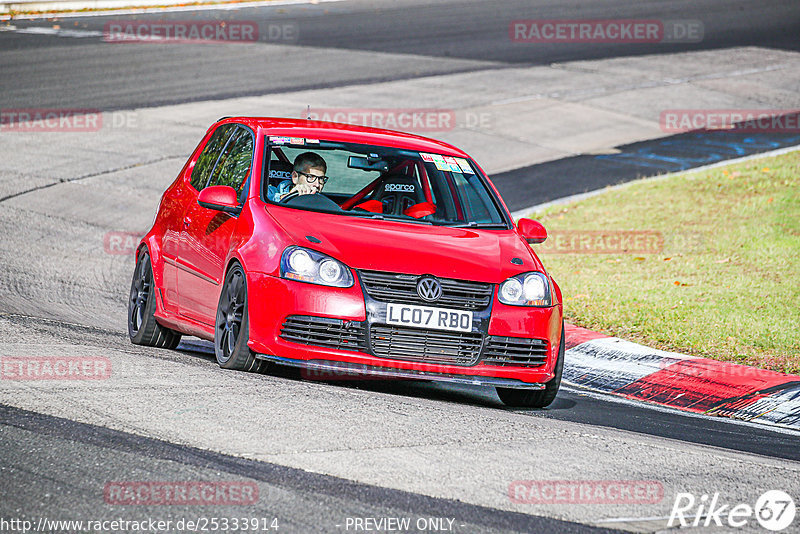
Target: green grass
(725, 281)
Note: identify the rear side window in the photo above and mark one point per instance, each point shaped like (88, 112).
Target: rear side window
(233, 165)
(205, 163)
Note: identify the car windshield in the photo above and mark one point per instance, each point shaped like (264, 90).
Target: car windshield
(382, 182)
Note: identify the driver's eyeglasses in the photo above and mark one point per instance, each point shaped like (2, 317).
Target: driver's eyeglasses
(313, 177)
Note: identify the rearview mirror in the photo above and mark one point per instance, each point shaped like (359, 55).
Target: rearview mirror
(220, 198)
(367, 164)
(533, 231)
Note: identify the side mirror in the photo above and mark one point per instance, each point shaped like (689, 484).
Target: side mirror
(220, 198)
(533, 231)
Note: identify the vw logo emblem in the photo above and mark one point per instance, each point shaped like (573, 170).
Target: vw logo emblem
(429, 289)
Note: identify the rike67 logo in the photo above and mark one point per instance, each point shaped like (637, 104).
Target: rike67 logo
(774, 510)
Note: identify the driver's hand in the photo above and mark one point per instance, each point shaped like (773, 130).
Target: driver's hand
(304, 189)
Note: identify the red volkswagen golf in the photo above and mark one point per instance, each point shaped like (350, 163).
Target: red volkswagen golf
(338, 248)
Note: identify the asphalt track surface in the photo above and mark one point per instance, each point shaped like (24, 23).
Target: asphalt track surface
(51, 465)
(544, 182)
(325, 501)
(412, 38)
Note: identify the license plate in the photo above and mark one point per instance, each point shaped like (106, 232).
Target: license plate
(427, 317)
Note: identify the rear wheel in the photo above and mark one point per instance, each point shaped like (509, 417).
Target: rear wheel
(231, 330)
(143, 329)
(540, 398)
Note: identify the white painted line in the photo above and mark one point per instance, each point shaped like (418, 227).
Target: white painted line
(574, 198)
(171, 9)
(56, 32)
(629, 519)
(664, 518)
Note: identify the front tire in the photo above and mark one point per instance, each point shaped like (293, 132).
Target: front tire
(524, 398)
(231, 328)
(143, 329)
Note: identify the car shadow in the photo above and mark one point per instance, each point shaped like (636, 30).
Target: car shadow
(198, 348)
(423, 389)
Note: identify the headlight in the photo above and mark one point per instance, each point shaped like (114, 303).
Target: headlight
(330, 271)
(511, 291)
(306, 265)
(300, 262)
(527, 289)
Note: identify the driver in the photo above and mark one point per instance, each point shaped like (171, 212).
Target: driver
(308, 177)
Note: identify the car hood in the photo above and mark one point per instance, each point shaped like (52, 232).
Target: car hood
(384, 245)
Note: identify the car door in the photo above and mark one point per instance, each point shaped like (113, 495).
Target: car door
(206, 235)
(183, 194)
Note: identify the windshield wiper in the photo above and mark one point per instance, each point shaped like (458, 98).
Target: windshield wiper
(390, 217)
(473, 224)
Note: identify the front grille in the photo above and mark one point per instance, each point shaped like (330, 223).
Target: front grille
(402, 289)
(425, 345)
(501, 350)
(325, 332)
(415, 344)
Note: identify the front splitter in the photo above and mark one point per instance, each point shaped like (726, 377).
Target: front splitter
(332, 370)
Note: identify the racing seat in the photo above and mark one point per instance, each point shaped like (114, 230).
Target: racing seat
(402, 195)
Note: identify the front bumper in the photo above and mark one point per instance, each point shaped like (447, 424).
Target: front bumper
(276, 302)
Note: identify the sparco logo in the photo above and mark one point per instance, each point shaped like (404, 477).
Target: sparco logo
(284, 175)
(400, 187)
(429, 289)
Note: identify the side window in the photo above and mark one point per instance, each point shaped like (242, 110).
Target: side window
(205, 163)
(478, 203)
(233, 165)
